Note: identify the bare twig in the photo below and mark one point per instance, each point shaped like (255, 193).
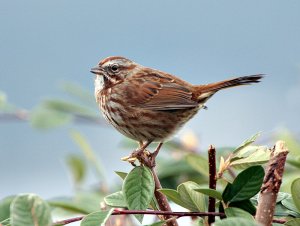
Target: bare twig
(68, 221)
(271, 185)
(146, 212)
(212, 181)
(155, 212)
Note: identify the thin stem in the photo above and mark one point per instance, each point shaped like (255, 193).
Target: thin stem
(68, 221)
(155, 212)
(212, 181)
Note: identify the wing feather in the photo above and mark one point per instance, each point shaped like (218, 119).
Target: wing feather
(153, 94)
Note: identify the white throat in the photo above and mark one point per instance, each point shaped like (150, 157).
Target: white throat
(99, 84)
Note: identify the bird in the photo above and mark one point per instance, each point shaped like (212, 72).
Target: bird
(149, 105)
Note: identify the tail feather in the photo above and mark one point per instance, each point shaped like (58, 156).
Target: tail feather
(244, 80)
(206, 91)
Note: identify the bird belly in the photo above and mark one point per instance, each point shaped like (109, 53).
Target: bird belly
(142, 124)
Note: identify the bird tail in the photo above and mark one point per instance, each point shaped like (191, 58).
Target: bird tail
(206, 91)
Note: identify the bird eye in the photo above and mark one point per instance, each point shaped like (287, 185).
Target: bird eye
(114, 67)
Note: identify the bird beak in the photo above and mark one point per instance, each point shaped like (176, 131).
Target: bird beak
(96, 70)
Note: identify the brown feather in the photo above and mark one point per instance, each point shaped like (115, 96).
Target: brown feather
(163, 94)
(214, 87)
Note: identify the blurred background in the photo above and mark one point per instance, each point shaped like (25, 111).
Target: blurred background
(48, 47)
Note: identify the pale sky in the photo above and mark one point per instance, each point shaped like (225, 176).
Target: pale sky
(43, 43)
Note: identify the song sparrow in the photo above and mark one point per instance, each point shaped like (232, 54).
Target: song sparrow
(149, 105)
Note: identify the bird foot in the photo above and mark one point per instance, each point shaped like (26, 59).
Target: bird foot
(128, 158)
(141, 155)
(145, 157)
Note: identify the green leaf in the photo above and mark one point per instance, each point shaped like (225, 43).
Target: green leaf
(295, 161)
(245, 185)
(68, 205)
(97, 218)
(186, 196)
(198, 163)
(153, 203)
(236, 221)
(244, 205)
(250, 156)
(5, 207)
(42, 118)
(121, 174)
(293, 222)
(116, 200)
(237, 212)
(138, 189)
(29, 209)
(77, 167)
(82, 202)
(289, 204)
(5, 222)
(295, 190)
(282, 211)
(167, 166)
(174, 196)
(67, 107)
(281, 196)
(247, 142)
(195, 200)
(210, 192)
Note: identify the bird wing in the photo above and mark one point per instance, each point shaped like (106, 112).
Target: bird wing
(157, 92)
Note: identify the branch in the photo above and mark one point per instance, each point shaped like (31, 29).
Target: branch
(145, 212)
(212, 182)
(271, 184)
(155, 212)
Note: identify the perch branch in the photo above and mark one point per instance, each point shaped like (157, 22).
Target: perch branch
(212, 182)
(271, 184)
(154, 212)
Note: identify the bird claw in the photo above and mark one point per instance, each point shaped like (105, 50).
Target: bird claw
(141, 155)
(147, 153)
(129, 159)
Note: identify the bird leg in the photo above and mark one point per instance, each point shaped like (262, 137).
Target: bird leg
(153, 155)
(147, 158)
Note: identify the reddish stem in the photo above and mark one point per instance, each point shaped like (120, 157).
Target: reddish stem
(155, 212)
(212, 182)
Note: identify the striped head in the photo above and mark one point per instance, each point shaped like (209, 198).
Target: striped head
(112, 70)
